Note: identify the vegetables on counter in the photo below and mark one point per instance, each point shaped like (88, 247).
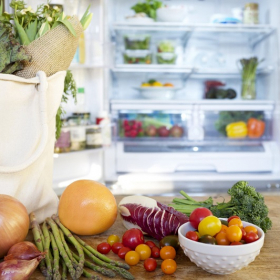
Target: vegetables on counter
(151, 217)
(237, 130)
(245, 202)
(149, 7)
(132, 238)
(14, 223)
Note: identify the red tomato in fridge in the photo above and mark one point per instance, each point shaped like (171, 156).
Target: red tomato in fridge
(155, 252)
(116, 247)
(132, 238)
(251, 237)
(150, 264)
(122, 252)
(198, 215)
(104, 248)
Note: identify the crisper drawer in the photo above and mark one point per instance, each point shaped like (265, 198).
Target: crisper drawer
(179, 157)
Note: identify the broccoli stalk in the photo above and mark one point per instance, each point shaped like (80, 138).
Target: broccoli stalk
(245, 202)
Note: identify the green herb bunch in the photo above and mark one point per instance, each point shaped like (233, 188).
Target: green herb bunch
(149, 7)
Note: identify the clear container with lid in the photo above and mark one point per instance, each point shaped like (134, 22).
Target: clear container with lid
(93, 137)
(137, 42)
(137, 57)
(251, 13)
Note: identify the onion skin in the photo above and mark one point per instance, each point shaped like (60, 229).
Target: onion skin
(18, 269)
(24, 250)
(14, 223)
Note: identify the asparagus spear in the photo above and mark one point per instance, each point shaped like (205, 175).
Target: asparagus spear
(89, 275)
(124, 273)
(96, 268)
(101, 256)
(64, 271)
(70, 237)
(56, 274)
(47, 248)
(61, 248)
(38, 241)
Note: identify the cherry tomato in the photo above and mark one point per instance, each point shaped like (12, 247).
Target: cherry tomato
(113, 239)
(198, 215)
(192, 235)
(197, 234)
(251, 237)
(132, 238)
(170, 240)
(104, 248)
(235, 222)
(233, 217)
(251, 229)
(155, 252)
(123, 251)
(207, 239)
(151, 244)
(209, 226)
(223, 228)
(132, 258)
(234, 234)
(222, 239)
(167, 252)
(144, 251)
(150, 264)
(116, 247)
(235, 243)
(243, 233)
(168, 266)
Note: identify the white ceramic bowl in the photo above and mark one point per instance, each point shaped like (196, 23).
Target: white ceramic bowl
(219, 259)
(171, 14)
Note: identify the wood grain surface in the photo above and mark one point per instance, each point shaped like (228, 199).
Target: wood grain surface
(265, 267)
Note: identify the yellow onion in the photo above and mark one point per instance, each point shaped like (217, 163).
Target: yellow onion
(14, 223)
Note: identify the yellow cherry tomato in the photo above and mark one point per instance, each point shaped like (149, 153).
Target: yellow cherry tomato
(224, 228)
(144, 251)
(113, 239)
(234, 233)
(222, 239)
(235, 222)
(251, 229)
(210, 225)
(167, 252)
(132, 258)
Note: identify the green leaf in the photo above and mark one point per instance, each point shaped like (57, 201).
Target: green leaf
(1, 9)
(67, 23)
(31, 30)
(86, 18)
(44, 29)
(22, 35)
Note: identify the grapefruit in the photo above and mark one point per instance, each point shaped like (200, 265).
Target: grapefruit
(87, 207)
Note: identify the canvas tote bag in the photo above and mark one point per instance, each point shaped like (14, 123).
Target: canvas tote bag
(27, 134)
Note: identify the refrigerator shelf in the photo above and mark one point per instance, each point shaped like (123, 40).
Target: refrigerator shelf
(207, 105)
(152, 68)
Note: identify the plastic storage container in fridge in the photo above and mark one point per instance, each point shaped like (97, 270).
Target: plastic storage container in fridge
(137, 42)
(137, 57)
(166, 58)
(166, 46)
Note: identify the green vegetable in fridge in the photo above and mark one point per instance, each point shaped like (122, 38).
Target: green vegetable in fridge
(149, 7)
(166, 46)
(137, 43)
(227, 117)
(245, 202)
(164, 60)
(12, 53)
(137, 60)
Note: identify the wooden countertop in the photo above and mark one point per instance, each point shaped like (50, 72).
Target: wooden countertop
(265, 266)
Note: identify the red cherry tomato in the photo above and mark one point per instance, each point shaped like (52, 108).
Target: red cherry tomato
(155, 252)
(198, 215)
(122, 252)
(192, 235)
(132, 238)
(235, 243)
(243, 233)
(233, 217)
(104, 248)
(251, 237)
(150, 264)
(116, 247)
(151, 244)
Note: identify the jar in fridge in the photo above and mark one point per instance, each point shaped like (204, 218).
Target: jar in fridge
(93, 137)
(251, 13)
(63, 143)
(137, 42)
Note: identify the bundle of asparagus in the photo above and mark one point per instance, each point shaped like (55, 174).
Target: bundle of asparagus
(57, 241)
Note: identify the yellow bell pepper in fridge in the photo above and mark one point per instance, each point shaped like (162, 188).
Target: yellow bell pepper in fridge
(237, 130)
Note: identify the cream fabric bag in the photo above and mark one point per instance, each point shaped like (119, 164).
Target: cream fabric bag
(27, 133)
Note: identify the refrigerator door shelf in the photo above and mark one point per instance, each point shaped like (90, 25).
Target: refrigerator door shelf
(256, 158)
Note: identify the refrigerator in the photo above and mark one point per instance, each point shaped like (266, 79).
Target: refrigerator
(174, 91)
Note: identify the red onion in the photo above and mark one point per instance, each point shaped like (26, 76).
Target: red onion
(18, 269)
(24, 250)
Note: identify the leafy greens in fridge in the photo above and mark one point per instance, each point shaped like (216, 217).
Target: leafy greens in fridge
(149, 7)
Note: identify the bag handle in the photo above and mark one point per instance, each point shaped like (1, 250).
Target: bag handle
(42, 89)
